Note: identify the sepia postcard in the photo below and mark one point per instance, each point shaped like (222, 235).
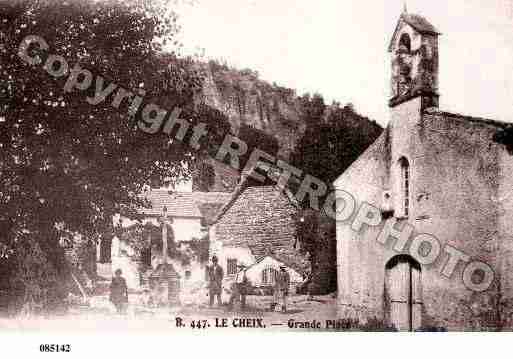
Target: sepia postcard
(229, 166)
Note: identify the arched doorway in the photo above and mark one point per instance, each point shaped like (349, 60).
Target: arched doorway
(403, 287)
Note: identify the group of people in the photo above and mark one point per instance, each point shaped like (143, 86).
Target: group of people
(241, 287)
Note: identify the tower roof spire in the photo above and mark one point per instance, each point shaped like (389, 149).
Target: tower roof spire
(405, 8)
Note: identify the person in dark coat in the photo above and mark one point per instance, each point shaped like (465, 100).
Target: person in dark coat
(214, 278)
(119, 292)
(240, 288)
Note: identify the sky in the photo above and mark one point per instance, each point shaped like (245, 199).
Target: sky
(338, 48)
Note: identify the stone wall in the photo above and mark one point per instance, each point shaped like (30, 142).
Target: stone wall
(260, 217)
(360, 262)
(262, 220)
(454, 183)
(504, 261)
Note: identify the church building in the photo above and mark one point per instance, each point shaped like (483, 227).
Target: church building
(438, 174)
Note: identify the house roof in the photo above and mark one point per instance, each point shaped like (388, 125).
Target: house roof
(470, 119)
(252, 191)
(185, 204)
(418, 22)
(286, 261)
(262, 219)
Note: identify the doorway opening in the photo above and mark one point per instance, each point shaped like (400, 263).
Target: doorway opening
(403, 290)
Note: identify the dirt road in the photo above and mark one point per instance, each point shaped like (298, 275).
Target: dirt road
(99, 317)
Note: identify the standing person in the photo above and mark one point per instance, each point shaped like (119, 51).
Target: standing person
(240, 287)
(215, 280)
(281, 288)
(119, 292)
(309, 286)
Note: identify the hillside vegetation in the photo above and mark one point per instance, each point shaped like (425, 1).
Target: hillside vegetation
(320, 139)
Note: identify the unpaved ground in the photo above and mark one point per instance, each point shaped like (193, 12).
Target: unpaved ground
(99, 317)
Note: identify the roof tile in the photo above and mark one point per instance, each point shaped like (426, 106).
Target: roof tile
(184, 204)
(420, 23)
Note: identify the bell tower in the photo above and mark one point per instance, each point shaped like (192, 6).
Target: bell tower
(414, 59)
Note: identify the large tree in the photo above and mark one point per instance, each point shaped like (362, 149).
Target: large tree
(67, 166)
(334, 138)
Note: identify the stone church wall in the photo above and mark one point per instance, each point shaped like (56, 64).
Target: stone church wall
(360, 262)
(456, 180)
(504, 263)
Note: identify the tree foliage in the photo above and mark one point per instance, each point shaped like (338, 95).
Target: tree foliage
(335, 136)
(67, 166)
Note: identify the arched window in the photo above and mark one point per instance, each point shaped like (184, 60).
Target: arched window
(405, 43)
(405, 186)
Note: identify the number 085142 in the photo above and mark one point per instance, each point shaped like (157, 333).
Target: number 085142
(55, 348)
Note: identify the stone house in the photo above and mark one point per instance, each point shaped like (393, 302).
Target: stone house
(437, 173)
(258, 223)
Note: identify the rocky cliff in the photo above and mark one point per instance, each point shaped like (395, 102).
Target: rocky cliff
(322, 140)
(269, 116)
(247, 100)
